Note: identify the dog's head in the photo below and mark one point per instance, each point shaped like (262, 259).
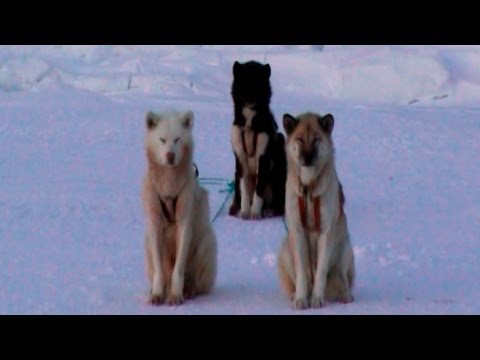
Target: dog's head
(169, 137)
(251, 83)
(309, 138)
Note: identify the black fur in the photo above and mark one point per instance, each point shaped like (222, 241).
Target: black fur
(196, 170)
(251, 85)
(326, 123)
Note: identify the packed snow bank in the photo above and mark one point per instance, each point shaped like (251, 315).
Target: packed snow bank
(435, 75)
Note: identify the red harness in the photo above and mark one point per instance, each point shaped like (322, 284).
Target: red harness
(303, 209)
(255, 137)
(169, 207)
(302, 206)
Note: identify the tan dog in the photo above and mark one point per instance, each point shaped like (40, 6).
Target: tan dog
(316, 261)
(181, 250)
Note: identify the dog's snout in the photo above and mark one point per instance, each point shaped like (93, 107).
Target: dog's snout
(308, 158)
(171, 158)
(308, 161)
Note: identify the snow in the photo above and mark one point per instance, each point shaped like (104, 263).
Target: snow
(407, 138)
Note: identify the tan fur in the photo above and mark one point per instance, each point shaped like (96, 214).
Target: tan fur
(180, 256)
(314, 267)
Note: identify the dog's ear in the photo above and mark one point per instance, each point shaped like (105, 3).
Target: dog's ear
(151, 120)
(188, 119)
(268, 70)
(237, 68)
(326, 123)
(289, 123)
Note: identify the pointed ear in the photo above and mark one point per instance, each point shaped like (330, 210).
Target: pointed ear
(289, 123)
(268, 70)
(151, 120)
(237, 68)
(188, 119)
(326, 123)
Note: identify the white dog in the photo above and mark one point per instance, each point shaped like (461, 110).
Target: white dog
(181, 249)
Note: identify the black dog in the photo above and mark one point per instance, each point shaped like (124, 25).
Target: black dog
(260, 159)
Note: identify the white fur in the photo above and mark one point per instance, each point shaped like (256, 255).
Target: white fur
(158, 281)
(324, 250)
(237, 145)
(262, 142)
(245, 198)
(256, 209)
(308, 174)
(183, 245)
(189, 239)
(173, 127)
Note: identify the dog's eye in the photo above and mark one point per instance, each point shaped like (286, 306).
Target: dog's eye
(317, 139)
(176, 140)
(163, 141)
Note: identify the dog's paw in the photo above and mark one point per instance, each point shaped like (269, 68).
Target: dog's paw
(300, 304)
(268, 214)
(317, 302)
(245, 215)
(175, 300)
(346, 298)
(278, 213)
(233, 211)
(156, 299)
(189, 292)
(255, 216)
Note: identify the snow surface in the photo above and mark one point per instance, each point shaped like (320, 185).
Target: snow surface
(407, 137)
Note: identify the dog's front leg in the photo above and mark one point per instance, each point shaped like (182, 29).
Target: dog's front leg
(263, 170)
(157, 295)
(245, 200)
(241, 157)
(300, 300)
(184, 219)
(235, 207)
(298, 241)
(323, 255)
